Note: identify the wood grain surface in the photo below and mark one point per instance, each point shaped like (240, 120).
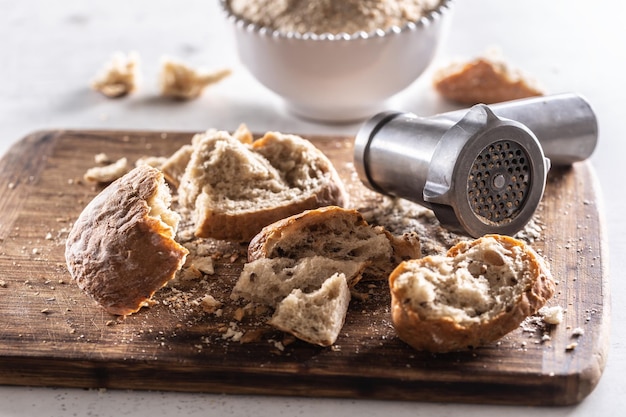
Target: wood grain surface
(51, 334)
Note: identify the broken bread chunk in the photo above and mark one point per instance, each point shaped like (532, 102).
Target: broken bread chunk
(295, 262)
(234, 189)
(488, 79)
(315, 317)
(337, 234)
(475, 294)
(181, 81)
(268, 281)
(174, 167)
(121, 249)
(107, 173)
(119, 77)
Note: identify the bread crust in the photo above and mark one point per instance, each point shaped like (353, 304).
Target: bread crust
(445, 334)
(267, 243)
(220, 222)
(244, 226)
(117, 252)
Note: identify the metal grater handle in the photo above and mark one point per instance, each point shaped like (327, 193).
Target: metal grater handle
(564, 124)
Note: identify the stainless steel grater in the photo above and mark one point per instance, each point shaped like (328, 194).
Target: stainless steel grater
(481, 170)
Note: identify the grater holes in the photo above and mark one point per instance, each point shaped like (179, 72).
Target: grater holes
(499, 181)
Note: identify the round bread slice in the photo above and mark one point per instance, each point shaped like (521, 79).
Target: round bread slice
(121, 249)
(477, 293)
(234, 189)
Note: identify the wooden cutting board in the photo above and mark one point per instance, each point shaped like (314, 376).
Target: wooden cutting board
(51, 334)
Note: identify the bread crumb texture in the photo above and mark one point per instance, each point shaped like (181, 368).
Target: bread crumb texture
(323, 16)
(298, 262)
(477, 293)
(234, 189)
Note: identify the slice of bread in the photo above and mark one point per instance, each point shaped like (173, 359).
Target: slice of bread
(121, 249)
(337, 234)
(234, 189)
(477, 293)
(315, 317)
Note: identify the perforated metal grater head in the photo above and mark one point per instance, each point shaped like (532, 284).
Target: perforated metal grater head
(478, 171)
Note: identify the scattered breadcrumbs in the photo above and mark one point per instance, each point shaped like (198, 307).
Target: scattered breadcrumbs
(552, 315)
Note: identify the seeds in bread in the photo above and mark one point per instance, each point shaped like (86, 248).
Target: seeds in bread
(315, 317)
(477, 293)
(121, 249)
(234, 189)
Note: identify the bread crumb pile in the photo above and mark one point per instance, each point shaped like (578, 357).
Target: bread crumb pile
(328, 16)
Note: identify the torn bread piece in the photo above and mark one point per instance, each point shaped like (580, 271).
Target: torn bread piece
(107, 173)
(234, 189)
(316, 317)
(268, 281)
(174, 167)
(119, 77)
(487, 79)
(179, 80)
(338, 234)
(475, 294)
(121, 249)
(290, 262)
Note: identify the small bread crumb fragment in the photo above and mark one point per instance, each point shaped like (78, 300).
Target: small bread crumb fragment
(107, 173)
(102, 158)
(487, 79)
(204, 264)
(209, 304)
(571, 346)
(181, 81)
(577, 332)
(119, 77)
(552, 315)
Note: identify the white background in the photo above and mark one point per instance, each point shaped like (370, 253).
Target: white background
(49, 51)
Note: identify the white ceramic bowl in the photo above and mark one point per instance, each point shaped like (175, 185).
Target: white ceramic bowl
(343, 77)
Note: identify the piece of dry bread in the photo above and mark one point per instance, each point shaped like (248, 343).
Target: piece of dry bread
(121, 249)
(180, 81)
(303, 266)
(119, 77)
(174, 167)
(234, 189)
(487, 79)
(477, 293)
(337, 234)
(316, 317)
(267, 281)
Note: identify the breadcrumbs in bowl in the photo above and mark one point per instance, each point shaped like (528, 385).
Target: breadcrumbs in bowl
(336, 76)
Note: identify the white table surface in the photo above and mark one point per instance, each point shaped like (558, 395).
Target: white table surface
(50, 50)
